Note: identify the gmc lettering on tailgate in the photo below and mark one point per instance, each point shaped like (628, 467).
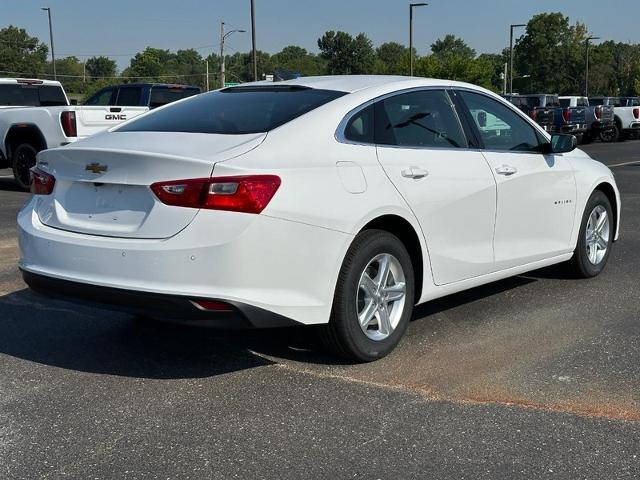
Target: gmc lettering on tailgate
(115, 117)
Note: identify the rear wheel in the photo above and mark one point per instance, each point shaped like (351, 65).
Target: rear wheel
(374, 298)
(610, 135)
(595, 237)
(23, 158)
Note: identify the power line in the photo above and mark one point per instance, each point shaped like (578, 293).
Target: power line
(108, 77)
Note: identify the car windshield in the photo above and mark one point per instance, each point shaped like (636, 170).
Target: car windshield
(234, 111)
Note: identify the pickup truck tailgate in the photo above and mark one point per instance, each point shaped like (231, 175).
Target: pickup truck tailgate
(93, 119)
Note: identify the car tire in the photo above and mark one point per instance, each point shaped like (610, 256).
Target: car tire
(610, 135)
(357, 299)
(592, 252)
(23, 158)
(586, 138)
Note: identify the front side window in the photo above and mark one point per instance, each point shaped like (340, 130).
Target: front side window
(500, 127)
(162, 95)
(418, 119)
(234, 111)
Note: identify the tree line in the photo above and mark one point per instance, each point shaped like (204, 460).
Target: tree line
(550, 57)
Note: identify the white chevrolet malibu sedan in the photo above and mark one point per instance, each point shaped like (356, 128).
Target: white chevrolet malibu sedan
(334, 201)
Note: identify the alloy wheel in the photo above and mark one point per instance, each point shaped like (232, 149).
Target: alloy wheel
(597, 235)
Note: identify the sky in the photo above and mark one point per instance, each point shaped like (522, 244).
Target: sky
(119, 28)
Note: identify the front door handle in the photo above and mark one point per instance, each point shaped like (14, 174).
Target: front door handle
(415, 173)
(506, 170)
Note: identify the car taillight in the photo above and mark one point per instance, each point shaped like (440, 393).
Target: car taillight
(566, 114)
(42, 183)
(599, 112)
(68, 121)
(636, 113)
(247, 194)
(534, 115)
(212, 305)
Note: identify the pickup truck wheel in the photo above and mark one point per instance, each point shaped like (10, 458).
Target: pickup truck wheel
(610, 135)
(24, 157)
(586, 138)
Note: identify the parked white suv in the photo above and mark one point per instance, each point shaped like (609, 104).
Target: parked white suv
(25, 131)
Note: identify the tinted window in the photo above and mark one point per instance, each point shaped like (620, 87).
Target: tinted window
(500, 127)
(635, 102)
(551, 101)
(583, 102)
(163, 95)
(14, 94)
(565, 102)
(533, 102)
(360, 127)
(234, 111)
(51, 96)
(418, 119)
(129, 96)
(596, 101)
(102, 97)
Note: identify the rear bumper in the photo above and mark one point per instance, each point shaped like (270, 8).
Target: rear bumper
(634, 126)
(167, 307)
(287, 268)
(602, 125)
(574, 129)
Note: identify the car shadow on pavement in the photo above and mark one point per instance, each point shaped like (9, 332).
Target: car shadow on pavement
(8, 184)
(65, 335)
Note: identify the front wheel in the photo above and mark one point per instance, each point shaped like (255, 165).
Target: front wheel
(595, 237)
(374, 298)
(24, 157)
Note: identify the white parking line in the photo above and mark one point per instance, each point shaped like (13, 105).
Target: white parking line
(623, 164)
(6, 176)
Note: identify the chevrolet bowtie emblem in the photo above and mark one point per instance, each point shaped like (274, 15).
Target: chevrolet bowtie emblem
(96, 168)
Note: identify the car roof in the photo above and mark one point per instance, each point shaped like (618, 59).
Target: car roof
(356, 83)
(34, 81)
(153, 84)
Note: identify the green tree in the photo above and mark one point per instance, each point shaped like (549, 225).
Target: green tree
(22, 53)
(297, 59)
(392, 58)
(452, 45)
(98, 67)
(346, 55)
(552, 53)
(70, 73)
(149, 65)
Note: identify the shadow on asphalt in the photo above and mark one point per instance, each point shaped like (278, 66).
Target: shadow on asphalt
(85, 339)
(9, 185)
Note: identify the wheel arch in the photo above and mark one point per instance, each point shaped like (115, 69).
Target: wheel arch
(409, 236)
(24, 133)
(611, 194)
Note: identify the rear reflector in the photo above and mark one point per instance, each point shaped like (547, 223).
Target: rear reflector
(247, 194)
(212, 305)
(42, 183)
(68, 121)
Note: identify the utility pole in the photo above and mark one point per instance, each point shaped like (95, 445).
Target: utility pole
(207, 80)
(253, 41)
(504, 78)
(520, 25)
(223, 38)
(53, 54)
(586, 75)
(411, 7)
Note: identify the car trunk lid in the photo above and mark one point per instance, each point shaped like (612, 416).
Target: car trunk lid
(104, 190)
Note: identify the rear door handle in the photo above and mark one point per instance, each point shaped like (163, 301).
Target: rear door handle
(506, 170)
(415, 173)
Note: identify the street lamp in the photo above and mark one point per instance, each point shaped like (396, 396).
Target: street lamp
(586, 77)
(53, 54)
(518, 25)
(223, 37)
(411, 7)
(253, 41)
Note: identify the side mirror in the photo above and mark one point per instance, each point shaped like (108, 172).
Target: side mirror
(561, 143)
(482, 119)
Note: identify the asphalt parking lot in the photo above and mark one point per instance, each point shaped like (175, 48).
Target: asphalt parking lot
(532, 377)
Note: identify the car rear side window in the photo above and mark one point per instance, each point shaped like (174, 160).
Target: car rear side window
(101, 98)
(51, 96)
(418, 119)
(235, 111)
(565, 102)
(360, 127)
(162, 95)
(23, 95)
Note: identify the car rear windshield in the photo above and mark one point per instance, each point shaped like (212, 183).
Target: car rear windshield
(162, 95)
(32, 95)
(234, 111)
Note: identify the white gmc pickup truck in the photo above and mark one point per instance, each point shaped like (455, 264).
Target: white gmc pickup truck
(627, 115)
(36, 115)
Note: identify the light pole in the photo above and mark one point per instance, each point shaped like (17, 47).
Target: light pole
(411, 7)
(223, 37)
(518, 25)
(586, 76)
(253, 41)
(53, 54)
